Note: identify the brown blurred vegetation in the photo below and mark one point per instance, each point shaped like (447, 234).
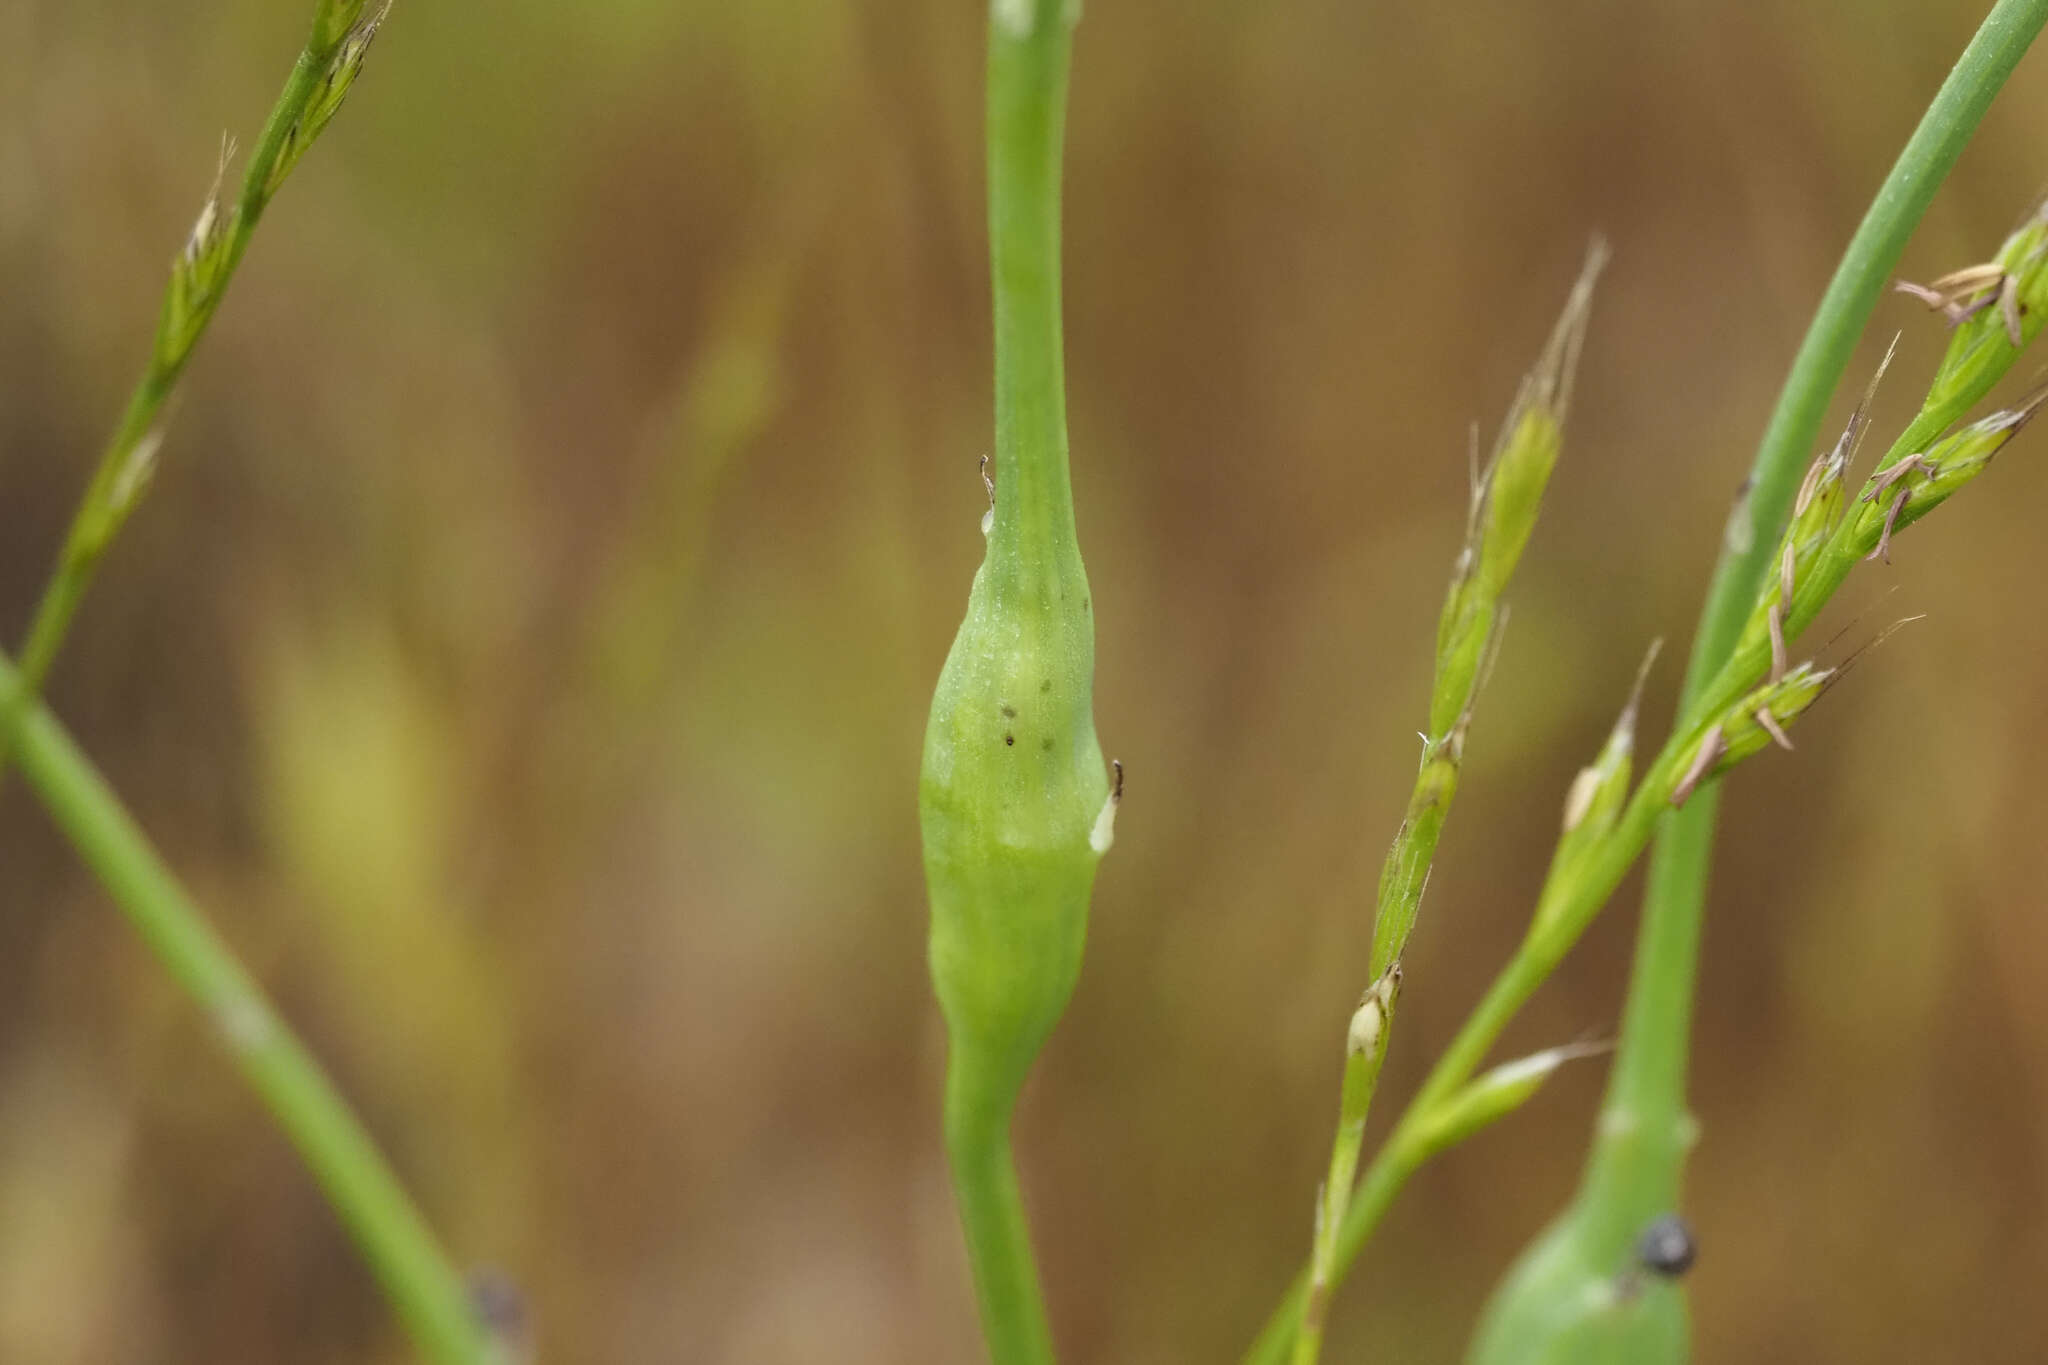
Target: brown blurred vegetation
(525, 652)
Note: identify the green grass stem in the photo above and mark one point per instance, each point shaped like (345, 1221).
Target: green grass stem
(1635, 1168)
(1648, 1077)
(1505, 503)
(425, 1289)
(1013, 1319)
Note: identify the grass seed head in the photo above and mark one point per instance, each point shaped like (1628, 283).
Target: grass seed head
(1997, 309)
(1816, 516)
(1495, 1094)
(1599, 791)
(1898, 495)
(1506, 498)
(1404, 877)
(1762, 717)
(131, 479)
(342, 69)
(1467, 624)
(199, 271)
(1511, 490)
(333, 22)
(1596, 799)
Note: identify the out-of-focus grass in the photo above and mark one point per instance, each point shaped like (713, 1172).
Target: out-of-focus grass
(633, 983)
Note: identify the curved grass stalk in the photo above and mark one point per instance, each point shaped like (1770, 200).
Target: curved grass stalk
(327, 66)
(1629, 1196)
(1722, 686)
(423, 1287)
(1648, 1079)
(1505, 502)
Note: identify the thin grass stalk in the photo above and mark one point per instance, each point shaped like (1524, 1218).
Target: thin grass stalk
(1636, 1163)
(326, 68)
(1725, 727)
(423, 1287)
(1365, 1053)
(1505, 501)
(1570, 902)
(1981, 353)
(1649, 1071)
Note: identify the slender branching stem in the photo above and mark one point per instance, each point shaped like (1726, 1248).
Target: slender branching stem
(415, 1274)
(423, 1287)
(1365, 1052)
(1648, 1079)
(1634, 1179)
(1404, 1152)
(1506, 498)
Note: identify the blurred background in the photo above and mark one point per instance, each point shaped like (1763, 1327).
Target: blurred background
(525, 651)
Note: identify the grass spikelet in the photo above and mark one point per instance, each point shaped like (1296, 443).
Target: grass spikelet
(1505, 501)
(1496, 1093)
(1749, 703)
(200, 273)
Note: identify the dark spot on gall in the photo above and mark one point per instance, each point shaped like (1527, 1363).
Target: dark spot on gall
(1009, 711)
(1666, 1247)
(1046, 744)
(1045, 686)
(1009, 739)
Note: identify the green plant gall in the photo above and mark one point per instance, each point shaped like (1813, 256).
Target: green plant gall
(1015, 801)
(1016, 807)
(1572, 1300)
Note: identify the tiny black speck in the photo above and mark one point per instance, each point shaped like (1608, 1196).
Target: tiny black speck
(1666, 1247)
(1009, 739)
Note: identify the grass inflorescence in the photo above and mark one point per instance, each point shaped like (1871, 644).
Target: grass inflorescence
(1564, 1300)
(1744, 694)
(428, 1293)
(326, 69)
(1506, 498)
(1017, 806)
(1751, 704)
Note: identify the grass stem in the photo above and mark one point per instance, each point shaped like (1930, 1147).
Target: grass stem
(1647, 1084)
(1639, 1180)
(427, 1292)
(1013, 1319)
(1505, 501)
